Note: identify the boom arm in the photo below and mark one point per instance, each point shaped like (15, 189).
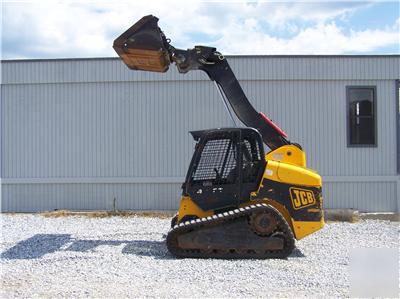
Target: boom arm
(145, 47)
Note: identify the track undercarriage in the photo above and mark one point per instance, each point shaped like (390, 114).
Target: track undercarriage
(257, 231)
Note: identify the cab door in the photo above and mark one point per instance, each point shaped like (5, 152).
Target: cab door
(253, 163)
(213, 180)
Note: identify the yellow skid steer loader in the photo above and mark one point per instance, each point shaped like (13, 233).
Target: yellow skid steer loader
(237, 201)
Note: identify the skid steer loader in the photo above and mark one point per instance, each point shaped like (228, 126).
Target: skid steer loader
(237, 201)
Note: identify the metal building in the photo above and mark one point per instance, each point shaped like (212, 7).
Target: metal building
(77, 133)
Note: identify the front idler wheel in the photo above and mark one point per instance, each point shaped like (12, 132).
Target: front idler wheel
(263, 223)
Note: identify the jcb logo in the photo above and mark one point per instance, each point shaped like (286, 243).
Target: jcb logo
(301, 197)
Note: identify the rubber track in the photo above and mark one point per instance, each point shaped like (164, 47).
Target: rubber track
(218, 219)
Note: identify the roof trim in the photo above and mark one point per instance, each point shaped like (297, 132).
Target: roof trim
(232, 56)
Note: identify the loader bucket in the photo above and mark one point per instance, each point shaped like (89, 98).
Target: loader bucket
(143, 46)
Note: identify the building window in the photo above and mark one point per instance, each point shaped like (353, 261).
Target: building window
(361, 115)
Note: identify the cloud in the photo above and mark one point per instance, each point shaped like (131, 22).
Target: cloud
(279, 14)
(87, 29)
(319, 39)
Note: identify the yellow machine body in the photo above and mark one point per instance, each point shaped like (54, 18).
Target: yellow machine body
(285, 165)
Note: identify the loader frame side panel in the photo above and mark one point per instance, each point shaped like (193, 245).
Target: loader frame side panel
(281, 193)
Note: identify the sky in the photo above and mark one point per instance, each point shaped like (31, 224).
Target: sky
(70, 29)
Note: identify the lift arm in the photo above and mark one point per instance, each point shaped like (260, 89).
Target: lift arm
(145, 47)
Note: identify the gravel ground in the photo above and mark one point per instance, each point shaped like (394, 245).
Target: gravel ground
(126, 256)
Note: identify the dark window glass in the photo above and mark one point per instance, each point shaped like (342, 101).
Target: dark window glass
(362, 115)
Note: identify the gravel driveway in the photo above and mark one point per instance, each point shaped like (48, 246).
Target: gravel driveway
(126, 257)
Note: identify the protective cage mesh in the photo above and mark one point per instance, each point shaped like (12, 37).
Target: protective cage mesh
(251, 161)
(219, 155)
(251, 152)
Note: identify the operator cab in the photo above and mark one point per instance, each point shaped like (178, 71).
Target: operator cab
(226, 167)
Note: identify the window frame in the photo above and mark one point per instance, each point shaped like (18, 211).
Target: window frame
(374, 88)
(397, 99)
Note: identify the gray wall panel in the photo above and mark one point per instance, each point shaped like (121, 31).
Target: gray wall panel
(134, 129)
(104, 129)
(313, 113)
(246, 67)
(79, 119)
(363, 196)
(47, 197)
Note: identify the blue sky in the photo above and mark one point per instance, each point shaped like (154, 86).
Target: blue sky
(377, 16)
(59, 29)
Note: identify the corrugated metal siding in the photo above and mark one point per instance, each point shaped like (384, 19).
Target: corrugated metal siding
(96, 119)
(362, 196)
(48, 197)
(134, 129)
(246, 68)
(313, 113)
(104, 129)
